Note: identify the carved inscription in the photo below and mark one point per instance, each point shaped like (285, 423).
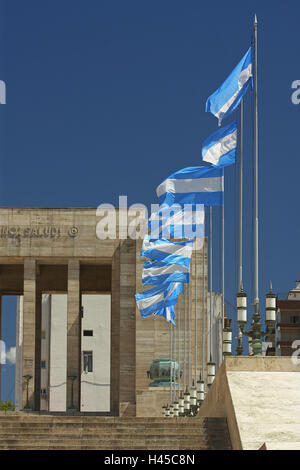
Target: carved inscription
(50, 232)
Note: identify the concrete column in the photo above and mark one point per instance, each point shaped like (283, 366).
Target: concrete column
(115, 335)
(29, 331)
(74, 334)
(127, 328)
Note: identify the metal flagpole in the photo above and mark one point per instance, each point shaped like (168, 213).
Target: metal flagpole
(256, 299)
(184, 338)
(239, 348)
(255, 332)
(241, 195)
(203, 308)
(196, 306)
(210, 281)
(175, 358)
(222, 259)
(171, 366)
(223, 266)
(179, 342)
(256, 341)
(190, 336)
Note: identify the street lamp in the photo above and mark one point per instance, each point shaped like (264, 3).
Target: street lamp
(211, 372)
(187, 402)
(181, 405)
(200, 391)
(241, 303)
(176, 409)
(255, 333)
(227, 337)
(194, 406)
(270, 314)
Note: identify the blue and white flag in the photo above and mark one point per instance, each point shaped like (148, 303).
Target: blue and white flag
(168, 313)
(178, 222)
(227, 98)
(158, 272)
(220, 147)
(157, 300)
(162, 249)
(193, 185)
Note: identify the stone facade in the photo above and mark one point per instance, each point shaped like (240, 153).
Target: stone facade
(55, 251)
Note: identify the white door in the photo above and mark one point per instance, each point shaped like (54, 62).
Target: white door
(95, 353)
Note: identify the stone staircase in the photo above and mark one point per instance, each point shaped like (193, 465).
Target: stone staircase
(20, 431)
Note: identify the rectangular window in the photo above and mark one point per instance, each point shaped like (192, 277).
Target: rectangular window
(87, 332)
(295, 319)
(43, 334)
(87, 361)
(43, 364)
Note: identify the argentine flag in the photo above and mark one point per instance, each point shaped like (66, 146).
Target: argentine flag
(220, 147)
(178, 222)
(193, 185)
(227, 98)
(161, 272)
(161, 249)
(159, 300)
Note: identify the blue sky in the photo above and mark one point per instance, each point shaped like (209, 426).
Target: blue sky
(107, 98)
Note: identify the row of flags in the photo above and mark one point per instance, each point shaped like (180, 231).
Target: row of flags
(183, 197)
(168, 269)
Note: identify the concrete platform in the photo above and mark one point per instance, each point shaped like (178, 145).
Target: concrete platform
(260, 397)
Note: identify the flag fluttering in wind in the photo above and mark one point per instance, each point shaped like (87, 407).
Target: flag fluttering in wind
(178, 222)
(159, 300)
(227, 98)
(193, 185)
(220, 147)
(158, 272)
(161, 249)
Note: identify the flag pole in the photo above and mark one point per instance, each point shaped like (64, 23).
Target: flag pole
(256, 299)
(210, 281)
(239, 349)
(178, 344)
(222, 257)
(241, 196)
(184, 339)
(256, 344)
(203, 308)
(223, 266)
(196, 326)
(255, 332)
(171, 365)
(190, 337)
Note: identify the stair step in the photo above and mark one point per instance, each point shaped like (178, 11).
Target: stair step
(34, 432)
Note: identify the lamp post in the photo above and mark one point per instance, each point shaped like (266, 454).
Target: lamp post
(200, 391)
(181, 405)
(187, 402)
(211, 373)
(270, 314)
(227, 337)
(241, 303)
(255, 333)
(27, 378)
(72, 378)
(194, 405)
